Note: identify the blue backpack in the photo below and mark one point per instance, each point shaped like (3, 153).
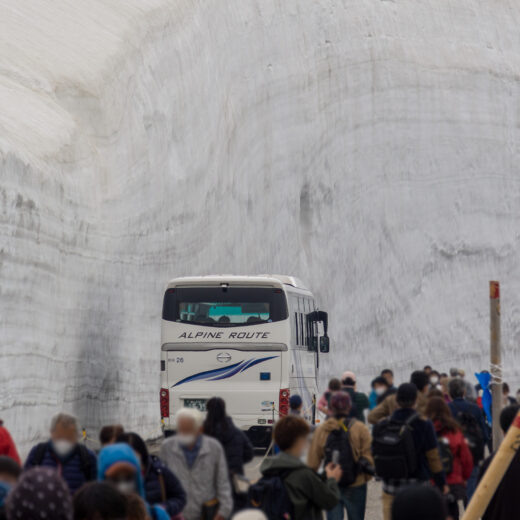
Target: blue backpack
(270, 496)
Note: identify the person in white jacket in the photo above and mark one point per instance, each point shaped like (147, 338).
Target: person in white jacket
(200, 464)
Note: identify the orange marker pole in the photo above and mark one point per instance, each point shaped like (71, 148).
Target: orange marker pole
(496, 360)
(494, 474)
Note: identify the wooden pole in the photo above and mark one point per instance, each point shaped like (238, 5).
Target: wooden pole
(496, 361)
(494, 474)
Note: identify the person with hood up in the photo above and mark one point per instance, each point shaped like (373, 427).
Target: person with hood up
(7, 445)
(308, 492)
(161, 486)
(118, 465)
(40, 494)
(359, 400)
(354, 496)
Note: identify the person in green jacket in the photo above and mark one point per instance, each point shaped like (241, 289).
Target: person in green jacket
(360, 401)
(309, 492)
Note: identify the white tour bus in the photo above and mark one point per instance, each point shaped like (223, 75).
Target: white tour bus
(252, 340)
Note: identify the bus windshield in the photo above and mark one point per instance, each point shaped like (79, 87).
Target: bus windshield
(224, 306)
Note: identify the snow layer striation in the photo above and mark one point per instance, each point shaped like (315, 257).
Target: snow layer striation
(369, 147)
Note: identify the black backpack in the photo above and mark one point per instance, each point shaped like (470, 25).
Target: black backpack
(86, 466)
(270, 496)
(445, 454)
(339, 441)
(472, 433)
(393, 448)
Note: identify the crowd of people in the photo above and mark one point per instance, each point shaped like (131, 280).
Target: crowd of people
(425, 440)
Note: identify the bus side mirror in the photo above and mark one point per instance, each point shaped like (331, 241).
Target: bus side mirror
(324, 345)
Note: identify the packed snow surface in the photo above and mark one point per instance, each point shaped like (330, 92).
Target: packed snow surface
(369, 147)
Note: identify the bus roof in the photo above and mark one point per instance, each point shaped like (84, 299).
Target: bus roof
(276, 280)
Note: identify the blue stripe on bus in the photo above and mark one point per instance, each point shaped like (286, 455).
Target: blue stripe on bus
(223, 373)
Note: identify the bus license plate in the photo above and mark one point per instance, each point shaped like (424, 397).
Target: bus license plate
(199, 404)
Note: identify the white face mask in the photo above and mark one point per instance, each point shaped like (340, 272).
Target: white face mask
(62, 447)
(186, 439)
(380, 390)
(434, 380)
(126, 486)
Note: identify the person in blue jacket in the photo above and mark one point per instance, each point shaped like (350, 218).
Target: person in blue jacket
(118, 464)
(161, 485)
(72, 460)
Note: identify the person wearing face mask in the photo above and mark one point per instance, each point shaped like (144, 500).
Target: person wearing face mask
(119, 466)
(200, 464)
(435, 379)
(73, 461)
(161, 485)
(380, 391)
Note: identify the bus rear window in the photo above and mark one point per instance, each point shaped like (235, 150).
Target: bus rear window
(225, 306)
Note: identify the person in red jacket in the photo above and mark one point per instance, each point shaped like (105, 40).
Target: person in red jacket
(457, 460)
(7, 446)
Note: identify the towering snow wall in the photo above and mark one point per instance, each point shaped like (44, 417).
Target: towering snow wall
(369, 147)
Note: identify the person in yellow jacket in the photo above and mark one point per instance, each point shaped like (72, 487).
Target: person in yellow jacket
(353, 497)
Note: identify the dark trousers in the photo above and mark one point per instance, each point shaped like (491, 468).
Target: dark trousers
(354, 500)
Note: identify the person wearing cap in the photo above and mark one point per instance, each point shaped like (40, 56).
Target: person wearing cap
(352, 498)
(429, 465)
(295, 405)
(360, 401)
(119, 466)
(389, 405)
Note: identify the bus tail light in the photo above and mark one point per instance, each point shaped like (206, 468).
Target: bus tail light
(283, 405)
(165, 402)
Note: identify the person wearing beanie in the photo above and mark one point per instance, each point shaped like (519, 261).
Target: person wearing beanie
(353, 497)
(40, 493)
(428, 462)
(324, 402)
(360, 401)
(419, 502)
(389, 405)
